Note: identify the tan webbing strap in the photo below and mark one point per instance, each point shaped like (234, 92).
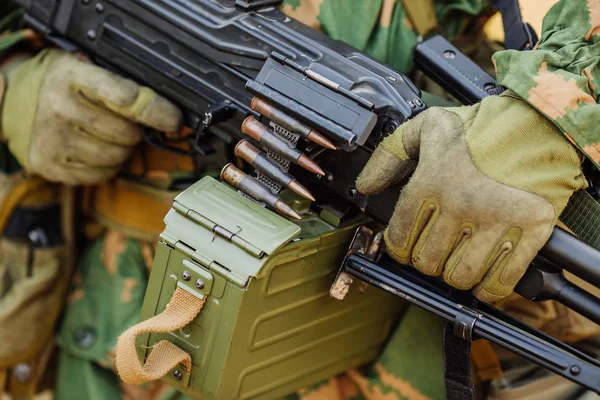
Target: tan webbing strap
(181, 310)
(131, 208)
(487, 363)
(421, 14)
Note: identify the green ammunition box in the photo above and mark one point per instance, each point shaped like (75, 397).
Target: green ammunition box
(268, 326)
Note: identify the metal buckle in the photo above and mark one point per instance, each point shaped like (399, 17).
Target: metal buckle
(365, 242)
(464, 323)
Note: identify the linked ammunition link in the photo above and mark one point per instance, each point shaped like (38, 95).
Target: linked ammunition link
(282, 163)
(280, 142)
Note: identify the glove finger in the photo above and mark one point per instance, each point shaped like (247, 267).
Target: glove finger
(511, 257)
(88, 150)
(107, 127)
(432, 250)
(393, 161)
(467, 264)
(382, 171)
(124, 97)
(413, 217)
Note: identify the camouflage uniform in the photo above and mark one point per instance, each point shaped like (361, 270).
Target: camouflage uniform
(561, 77)
(108, 291)
(110, 280)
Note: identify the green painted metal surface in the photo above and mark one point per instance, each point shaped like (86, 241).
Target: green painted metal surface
(269, 326)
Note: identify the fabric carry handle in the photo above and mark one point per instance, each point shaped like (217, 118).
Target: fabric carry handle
(181, 310)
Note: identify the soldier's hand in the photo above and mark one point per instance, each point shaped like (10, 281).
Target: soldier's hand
(490, 182)
(72, 122)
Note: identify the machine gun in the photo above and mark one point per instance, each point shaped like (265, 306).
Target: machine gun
(224, 62)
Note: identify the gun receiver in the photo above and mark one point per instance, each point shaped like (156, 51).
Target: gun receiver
(212, 60)
(201, 53)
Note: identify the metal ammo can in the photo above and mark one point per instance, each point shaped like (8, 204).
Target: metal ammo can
(268, 327)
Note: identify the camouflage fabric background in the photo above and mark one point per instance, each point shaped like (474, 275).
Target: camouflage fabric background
(561, 78)
(106, 298)
(381, 28)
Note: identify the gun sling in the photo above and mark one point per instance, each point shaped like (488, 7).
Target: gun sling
(181, 310)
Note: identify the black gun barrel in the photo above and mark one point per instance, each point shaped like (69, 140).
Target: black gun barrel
(574, 255)
(580, 301)
(405, 283)
(544, 281)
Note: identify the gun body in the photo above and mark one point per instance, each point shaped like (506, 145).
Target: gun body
(200, 53)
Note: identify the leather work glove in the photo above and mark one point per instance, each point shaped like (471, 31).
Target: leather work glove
(72, 122)
(489, 184)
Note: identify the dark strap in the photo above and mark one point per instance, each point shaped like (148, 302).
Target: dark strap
(457, 366)
(582, 216)
(518, 35)
(40, 226)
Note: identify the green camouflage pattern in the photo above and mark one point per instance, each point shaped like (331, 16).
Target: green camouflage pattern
(560, 78)
(381, 28)
(106, 298)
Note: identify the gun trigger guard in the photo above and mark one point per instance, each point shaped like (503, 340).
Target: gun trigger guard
(464, 323)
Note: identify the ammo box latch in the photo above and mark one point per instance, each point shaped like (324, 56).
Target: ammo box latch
(216, 227)
(206, 262)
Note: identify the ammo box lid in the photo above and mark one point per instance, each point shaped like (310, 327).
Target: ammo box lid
(223, 226)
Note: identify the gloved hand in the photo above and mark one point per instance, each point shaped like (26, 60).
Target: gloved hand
(490, 182)
(72, 122)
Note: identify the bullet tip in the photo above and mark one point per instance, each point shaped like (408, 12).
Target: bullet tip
(298, 188)
(310, 165)
(295, 215)
(321, 140)
(319, 171)
(286, 210)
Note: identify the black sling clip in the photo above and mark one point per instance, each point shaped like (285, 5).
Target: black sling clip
(464, 323)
